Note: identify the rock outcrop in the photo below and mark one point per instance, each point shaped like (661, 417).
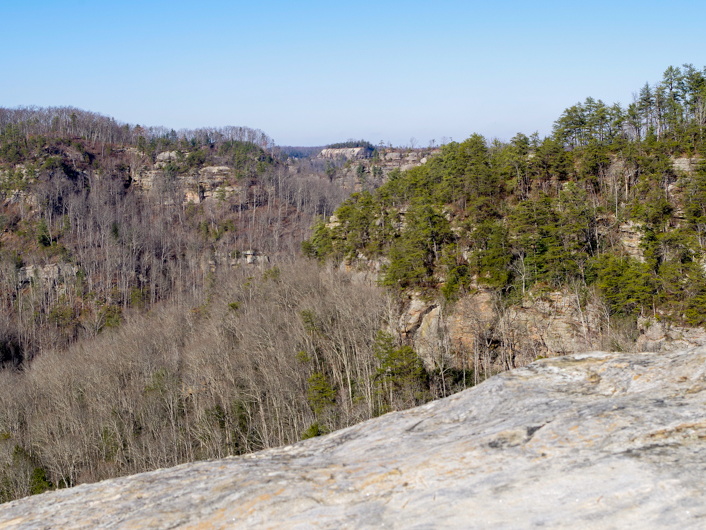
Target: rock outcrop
(661, 336)
(685, 164)
(594, 440)
(208, 182)
(544, 324)
(52, 274)
(346, 153)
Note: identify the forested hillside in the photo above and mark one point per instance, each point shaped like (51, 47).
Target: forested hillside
(99, 219)
(551, 213)
(156, 306)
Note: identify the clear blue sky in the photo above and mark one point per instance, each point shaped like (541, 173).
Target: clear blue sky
(313, 72)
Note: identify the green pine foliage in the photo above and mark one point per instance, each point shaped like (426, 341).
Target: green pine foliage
(549, 212)
(400, 378)
(351, 143)
(626, 284)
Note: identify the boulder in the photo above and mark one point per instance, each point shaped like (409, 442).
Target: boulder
(592, 440)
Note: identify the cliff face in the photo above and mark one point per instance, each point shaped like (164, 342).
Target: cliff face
(479, 332)
(198, 185)
(543, 325)
(346, 153)
(594, 440)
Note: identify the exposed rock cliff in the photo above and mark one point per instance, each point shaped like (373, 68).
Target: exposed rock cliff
(52, 274)
(195, 185)
(594, 440)
(347, 153)
(686, 165)
(478, 328)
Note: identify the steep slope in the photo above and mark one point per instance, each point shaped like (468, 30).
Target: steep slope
(595, 440)
(98, 219)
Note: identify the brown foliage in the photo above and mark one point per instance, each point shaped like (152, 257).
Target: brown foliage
(224, 377)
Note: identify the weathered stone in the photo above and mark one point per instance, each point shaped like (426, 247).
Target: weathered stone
(686, 164)
(48, 275)
(364, 270)
(662, 336)
(333, 222)
(215, 172)
(232, 259)
(212, 182)
(428, 340)
(167, 156)
(417, 308)
(472, 315)
(631, 238)
(549, 323)
(346, 153)
(558, 321)
(595, 440)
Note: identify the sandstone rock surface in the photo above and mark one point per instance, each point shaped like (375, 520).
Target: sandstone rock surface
(51, 274)
(346, 153)
(685, 164)
(593, 440)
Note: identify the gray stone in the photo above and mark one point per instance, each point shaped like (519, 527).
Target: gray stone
(593, 440)
(662, 336)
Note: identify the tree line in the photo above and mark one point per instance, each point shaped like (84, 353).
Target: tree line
(71, 122)
(549, 213)
(133, 333)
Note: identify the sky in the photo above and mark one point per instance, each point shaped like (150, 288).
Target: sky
(314, 72)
